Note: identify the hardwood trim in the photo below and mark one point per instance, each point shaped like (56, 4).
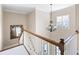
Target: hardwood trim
(43, 38)
(61, 46)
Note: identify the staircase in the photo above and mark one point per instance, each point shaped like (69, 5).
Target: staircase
(26, 45)
(29, 48)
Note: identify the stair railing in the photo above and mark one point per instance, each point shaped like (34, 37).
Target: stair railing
(58, 44)
(69, 37)
(33, 48)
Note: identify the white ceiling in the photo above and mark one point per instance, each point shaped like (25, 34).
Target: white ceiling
(26, 8)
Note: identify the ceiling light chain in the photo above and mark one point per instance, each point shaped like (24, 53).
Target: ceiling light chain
(51, 26)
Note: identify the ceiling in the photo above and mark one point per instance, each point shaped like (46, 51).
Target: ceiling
(27, 8)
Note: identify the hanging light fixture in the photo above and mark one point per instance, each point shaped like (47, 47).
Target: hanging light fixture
(51, 26)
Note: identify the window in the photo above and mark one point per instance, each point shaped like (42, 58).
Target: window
(15, 31)
(18, 31)
(63, 22)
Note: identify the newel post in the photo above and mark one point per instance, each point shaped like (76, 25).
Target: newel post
(61, 46)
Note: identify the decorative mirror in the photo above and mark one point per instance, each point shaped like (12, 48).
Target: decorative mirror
(15, 31)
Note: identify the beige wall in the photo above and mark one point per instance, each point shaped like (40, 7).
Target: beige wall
(11, 19)
(42, 20)
(0, 27)
(77, 24)
(31, 22)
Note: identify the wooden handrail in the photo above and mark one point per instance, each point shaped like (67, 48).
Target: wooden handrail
(59, 44)
(44, 38)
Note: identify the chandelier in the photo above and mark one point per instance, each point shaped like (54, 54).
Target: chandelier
(51, 26)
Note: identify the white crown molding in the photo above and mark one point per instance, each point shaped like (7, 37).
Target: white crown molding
(7, 10)
(44, 8)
